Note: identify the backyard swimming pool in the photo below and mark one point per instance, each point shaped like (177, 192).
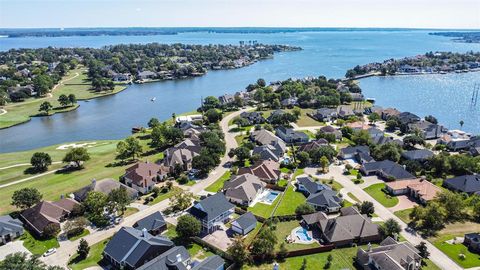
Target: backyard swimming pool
(302, 233)
(269, 196)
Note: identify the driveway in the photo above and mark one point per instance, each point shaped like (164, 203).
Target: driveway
(403, 203)
(219, 239)
(12, 247)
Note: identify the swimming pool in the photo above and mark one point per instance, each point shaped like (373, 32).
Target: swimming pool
(302, 233)
(270, 196)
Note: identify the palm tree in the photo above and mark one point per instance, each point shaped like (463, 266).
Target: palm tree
(461, 123)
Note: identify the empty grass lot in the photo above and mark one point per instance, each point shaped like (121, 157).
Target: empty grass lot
(377, 193)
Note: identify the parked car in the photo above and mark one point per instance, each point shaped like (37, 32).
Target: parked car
(118, 220)
(49, 252)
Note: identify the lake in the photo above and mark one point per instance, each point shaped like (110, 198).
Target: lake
(328, 53)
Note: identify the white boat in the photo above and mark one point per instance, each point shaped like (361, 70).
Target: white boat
(153, 99)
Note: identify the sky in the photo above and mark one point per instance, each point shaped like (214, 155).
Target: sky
(449, 14)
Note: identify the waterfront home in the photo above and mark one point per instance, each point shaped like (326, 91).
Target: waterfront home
(289, 135)
(331, 130)
(417, 189)
(266, 152)
(466, 183)
(347, 229)
(289, 102)
(130, 248)
(253, 118)
(10, 228)
(44, 214)
(312, 145)
(357, 97)
(243, 189)
(244, 224)
(420, 155)
(351, 152)
(146, 74)
(119, 77)
(345, 112)
(325, 114)
(472, 241)
(375, 132)
(104, 186)
(408, 69)
(386, 169)
(266, 170)
(226, 99)
(408, 118)
(154, 223)
(455, 140)
(428, 130)
(143, 175)
(27, 89)
(213, 212)
(390, 255)
(385, 114)
(188, 119)
(358, 125)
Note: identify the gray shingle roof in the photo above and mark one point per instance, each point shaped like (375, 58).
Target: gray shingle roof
(348, 228)
(311, 186)
(171, 259)
(420, 154)
(211, 263)
(246, 220)
(388, 168)
(10, 225)
(464, 183)
(151, 222)
(243, 187)
(325, 198)
(211, 207)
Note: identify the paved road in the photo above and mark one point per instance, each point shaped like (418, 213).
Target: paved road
(68, 248)
(438, 257)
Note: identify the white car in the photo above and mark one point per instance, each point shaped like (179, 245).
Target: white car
(49, 252)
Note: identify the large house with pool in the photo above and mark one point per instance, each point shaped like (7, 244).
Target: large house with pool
(243, 189)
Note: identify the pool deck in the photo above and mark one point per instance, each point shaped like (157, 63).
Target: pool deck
(294, 238)
(262, 197)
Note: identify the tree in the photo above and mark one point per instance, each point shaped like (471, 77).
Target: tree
(22, 261)
(42, 84)
(264, 244)
(204, 163)
(242, 153)
(51, 230)
(411, 140)
(77, 155)
(373, 117)
(324, 162)
(238, 251)
(328, 264)
(213, 115)
(304, 209)
(210, 102)
(63, 100)
(75, 226)
(181, 201)
(40, 161)
(388, 151)
(390, 228)
(429, 219)
(261, 82)
(183, 179)
(361, 137)
(431, 119)
(72, 99)
(45, 107)
(303, 159)
(119, 199)
(26, 197)
(153, 122)
(83, 249)
(453, 203)
(131, 147)
(188, 226)
(304, 262)
(367, 208)
(423, 250)
(282, 252)
(95, 204)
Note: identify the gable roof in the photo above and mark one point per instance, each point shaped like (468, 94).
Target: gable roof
(130, 245)
(314, 218)
(291, 133)
(263, 169)
(420, 154)
(151, 222)
(390, 255)
(171, 259)
(104, 186)
(326, 198)
(464, 183)
(266, 152)
(312, 145)
(43, 214)
(10, 225)
(387, 168)
(142, 171)
(348, 228)
(246, 220)
(211, 207)
(265, 137)
(311, 186)
(243, 187)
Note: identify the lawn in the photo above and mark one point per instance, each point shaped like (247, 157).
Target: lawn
(454, 250)
(290, 201)
(38, 246)
(283, 229)
(377, 193)
(218, 184)
(264, 210)
(333, 184)
(84, 233)
(93, 258)
(353, 197)
(240, 139)
(130, 211)
(251, 235)
(165, 196)
(404, 215)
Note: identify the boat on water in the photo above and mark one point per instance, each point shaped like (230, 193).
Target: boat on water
(153, 99)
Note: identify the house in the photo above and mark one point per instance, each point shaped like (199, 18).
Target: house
(379, 140)
(357, 96)
(428, 130)
(253, 118)
(307, 186)
(266, 152)
(331, 130)
(289, 135)
(188, 119)
(243, 189)
(274, 114)
(44, 214)
(178, 258)
(104, 186)
(417, 189)
(350, 152)
(418, 155)
(375, 132)
(472, 241)
(345, 230)
(326, 200)
(345, 112)
(466, 183)
(143, 175)
(10, 228)
(358, 125)
(390, 255)
(385, 114)
(311, 220)
(289, 102)
(214, 262)
(147, 74)
(267, 170)
(182, 155)
(154, 223)
(408, 118)
(265, 137)
(386, 169)
(226, 99)
(312, 145)
(455, 140)
(27, 89)
(119, 77)
(212, 212)
(130, 248)
(325, 114)
(244, 224)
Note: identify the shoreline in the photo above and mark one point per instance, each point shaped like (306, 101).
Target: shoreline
(377, 74)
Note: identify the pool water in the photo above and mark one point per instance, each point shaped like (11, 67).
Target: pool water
(303, 235)
(271, 196)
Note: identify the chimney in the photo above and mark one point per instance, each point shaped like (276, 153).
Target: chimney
(144, 232)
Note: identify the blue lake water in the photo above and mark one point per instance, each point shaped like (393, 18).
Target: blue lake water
(328, 53)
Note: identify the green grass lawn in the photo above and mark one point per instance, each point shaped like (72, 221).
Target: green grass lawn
(130, 211)
(38, 246)
(282, 182)
(333, 184)
(453, 251)
(240, 139)
(165, 196)
(377, 193)
(283, 229)
(353, 197)
(93, 258)
(290, 201)
(264, 210)
(84, 233)
(218, 184)
(404, 215)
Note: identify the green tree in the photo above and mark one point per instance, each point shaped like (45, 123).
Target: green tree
(78, 156)
(388, 151)
(324, 162)
(238, 251)
(119, 199)
(261, 82)
(51, 230)
(83, 249)
(181, 201)
(213, 115)
(361, 137)
(423, 250)
(23, 261)
(373, 117)
(264, 244)
(45, 107)
(242, 153)
(210, 102)
(26, 197)
(42, 84)
(94, 204)
(188, 226)
(282, 252)
(390, 228)
(304, 209)
(72, 99)
(303, 159)
(367, 208)
(304, 264)
(453, 204)
(153, 122)
(40, 161)
(63, 100)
